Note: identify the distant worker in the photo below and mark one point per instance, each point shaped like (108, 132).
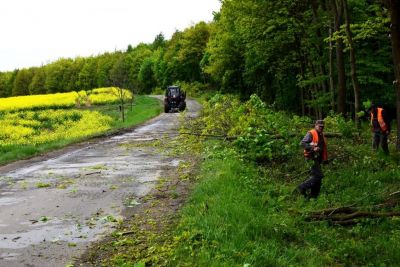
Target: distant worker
(315, 149)
(380, 126)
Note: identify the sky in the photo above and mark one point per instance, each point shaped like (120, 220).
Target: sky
(37, 32)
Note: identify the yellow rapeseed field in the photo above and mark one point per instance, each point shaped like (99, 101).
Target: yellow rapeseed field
(41, 119)
(61, 100)
(45, 126)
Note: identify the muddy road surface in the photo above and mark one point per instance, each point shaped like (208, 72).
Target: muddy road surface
(53, 207)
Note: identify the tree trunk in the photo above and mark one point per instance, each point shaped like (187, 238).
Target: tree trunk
(331, 82)
(322, 69)
(394, 9)
(341, 103)
(303, 110)
(314, 91)
(123, 111)
(132, 99)
(354, 78)
(302, 71)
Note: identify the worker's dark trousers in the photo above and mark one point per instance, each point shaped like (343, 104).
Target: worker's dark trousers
(314, 182)
(380, 138)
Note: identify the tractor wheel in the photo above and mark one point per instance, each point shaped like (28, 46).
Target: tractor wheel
(182, 106)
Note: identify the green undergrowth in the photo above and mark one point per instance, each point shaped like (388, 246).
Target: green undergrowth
(143, 109)
(241, 214)
(243, 211)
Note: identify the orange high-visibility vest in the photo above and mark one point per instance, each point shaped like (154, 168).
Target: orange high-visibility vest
(315, 139)
(382, 123)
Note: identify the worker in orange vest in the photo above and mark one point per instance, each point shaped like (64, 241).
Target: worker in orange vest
(314, 144)
(380, 126)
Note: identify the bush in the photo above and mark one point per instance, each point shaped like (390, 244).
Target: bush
(337, 123)
(158, 91)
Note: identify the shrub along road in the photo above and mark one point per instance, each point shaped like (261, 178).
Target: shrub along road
(53, 207)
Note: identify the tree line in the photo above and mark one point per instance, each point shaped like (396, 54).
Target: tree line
(306, 56)
(140, 68)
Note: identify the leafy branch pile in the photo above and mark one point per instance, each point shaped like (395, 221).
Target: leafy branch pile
(258, 132)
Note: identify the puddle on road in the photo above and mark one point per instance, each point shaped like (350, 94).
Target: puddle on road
(9, 256)
(7, 193)
(9, 201)
(54, 231)
(175, 162)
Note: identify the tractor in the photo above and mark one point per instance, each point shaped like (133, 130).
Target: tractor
(174, 100)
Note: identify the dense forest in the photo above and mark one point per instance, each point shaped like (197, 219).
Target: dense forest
(304, 56)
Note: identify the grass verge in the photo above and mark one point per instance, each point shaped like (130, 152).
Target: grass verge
(144, 108)
(241, 214)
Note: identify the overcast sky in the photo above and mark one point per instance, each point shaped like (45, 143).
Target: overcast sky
(36, 32)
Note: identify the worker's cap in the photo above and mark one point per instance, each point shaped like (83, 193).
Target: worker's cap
(319, 122)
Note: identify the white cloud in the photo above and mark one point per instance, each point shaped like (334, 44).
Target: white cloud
(40, 31)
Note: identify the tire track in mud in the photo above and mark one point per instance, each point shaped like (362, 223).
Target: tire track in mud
(51, 210)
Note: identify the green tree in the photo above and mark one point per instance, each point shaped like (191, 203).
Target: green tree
(54, 77)
(224, 59)
(160, 67)
(105, 63)
(159, 41)
(22, 81)
(191, 51)
(119, 72)
(71, 76)
(353, 66)
(134, 61)
(146, 76)
(37, 85)
(5, 88)
(87, 75)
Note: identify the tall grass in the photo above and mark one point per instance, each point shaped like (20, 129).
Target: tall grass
(242, 214)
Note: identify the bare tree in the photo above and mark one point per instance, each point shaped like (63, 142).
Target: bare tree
(119, 77)
(123, 96)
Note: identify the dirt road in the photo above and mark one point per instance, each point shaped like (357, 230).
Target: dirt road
(53, 207)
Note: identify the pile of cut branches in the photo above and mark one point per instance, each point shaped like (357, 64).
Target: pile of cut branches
(351, 215)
